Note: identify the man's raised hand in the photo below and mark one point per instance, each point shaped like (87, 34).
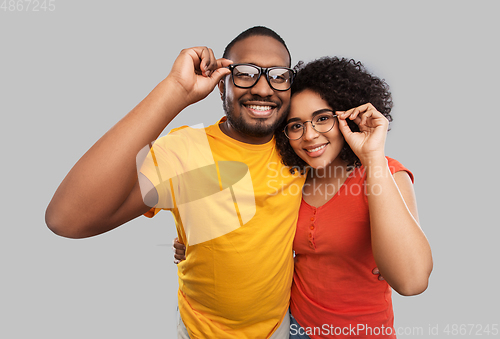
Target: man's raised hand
(197, 71)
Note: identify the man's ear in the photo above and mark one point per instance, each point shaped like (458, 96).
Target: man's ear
(221, 86)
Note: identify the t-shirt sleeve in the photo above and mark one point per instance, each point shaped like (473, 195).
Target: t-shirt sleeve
(396, 166)
(182, 150)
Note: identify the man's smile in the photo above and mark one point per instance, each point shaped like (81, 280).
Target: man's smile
(260, 110)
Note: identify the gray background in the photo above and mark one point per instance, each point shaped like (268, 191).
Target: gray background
(68, 75)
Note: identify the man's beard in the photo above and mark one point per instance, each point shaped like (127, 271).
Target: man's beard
(258, 130)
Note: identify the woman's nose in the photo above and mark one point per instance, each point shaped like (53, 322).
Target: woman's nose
(309, 132)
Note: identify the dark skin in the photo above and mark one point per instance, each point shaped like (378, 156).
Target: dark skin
(102, 190)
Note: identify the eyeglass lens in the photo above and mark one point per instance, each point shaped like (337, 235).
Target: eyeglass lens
(247, 75)
(322, 123)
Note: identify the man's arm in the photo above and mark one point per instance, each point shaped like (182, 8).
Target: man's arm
(102, 190)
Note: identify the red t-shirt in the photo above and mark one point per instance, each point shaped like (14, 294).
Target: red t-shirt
(334, 293)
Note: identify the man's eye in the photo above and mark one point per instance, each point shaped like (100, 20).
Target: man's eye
(245, 75)
(278, 79)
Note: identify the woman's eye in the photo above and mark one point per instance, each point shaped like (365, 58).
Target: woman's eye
(323, 118)
(295, 127)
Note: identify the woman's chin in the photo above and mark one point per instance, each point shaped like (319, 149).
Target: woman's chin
(317, 165)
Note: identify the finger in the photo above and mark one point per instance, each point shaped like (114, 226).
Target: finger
(178, 247)
(354, 113)
(207, 61)
(179, 251)
(179, 257)
(344, 114)
(222, 62)
(213, 62)
(365, 107)
(177, 244)
(219, 73)
(344, 128)
(363, 119)
(201, 58)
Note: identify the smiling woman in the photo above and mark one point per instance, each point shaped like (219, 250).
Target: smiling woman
(358, 207)
(319, 142)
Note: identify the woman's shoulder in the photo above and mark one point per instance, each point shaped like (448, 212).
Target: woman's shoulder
(396, 166)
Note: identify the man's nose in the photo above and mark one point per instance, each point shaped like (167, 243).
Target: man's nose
(262, 88)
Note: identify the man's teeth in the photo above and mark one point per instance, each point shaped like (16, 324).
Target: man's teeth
(260, 108)
(316, 149)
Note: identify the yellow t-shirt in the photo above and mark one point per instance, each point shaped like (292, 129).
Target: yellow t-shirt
(235, 207)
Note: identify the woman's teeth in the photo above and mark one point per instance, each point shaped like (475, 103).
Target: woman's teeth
(316, 149)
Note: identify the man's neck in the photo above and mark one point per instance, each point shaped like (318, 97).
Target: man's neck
(229, 130)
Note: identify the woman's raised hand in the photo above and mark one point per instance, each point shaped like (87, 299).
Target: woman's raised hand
(369, 142)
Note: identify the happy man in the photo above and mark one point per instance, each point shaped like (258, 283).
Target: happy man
(234, 284)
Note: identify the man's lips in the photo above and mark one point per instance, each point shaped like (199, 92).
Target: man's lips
(260, 109)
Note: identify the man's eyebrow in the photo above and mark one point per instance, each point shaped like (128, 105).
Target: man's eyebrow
(319, 111)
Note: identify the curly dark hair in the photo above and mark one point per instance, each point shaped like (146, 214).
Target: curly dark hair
(343, 84)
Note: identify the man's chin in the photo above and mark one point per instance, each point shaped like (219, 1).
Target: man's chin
(258, 128)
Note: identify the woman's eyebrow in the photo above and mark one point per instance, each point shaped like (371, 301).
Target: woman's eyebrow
(293, 119)
(323, 110)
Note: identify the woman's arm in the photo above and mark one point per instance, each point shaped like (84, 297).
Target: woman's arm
(399, 245)
(400, 248)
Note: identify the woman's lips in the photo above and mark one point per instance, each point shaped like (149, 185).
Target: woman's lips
(316, 150)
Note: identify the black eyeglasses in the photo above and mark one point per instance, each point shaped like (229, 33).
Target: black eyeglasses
(322, 123)
(247, 75)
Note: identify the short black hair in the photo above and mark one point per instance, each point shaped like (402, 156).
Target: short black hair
(256, 31)
(343, 84)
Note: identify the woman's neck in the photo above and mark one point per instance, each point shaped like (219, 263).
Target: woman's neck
(322, 184)
(336, 170)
